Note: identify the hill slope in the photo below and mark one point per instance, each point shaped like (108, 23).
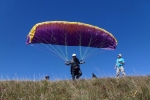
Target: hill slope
(128, 88)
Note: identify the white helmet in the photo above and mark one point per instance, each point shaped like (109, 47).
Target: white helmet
(120, 55)
(73, 54)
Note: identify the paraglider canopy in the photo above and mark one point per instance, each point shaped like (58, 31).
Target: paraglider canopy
(64, 33)
(71, 34)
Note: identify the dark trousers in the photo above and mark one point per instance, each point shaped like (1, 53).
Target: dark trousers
(75, 72)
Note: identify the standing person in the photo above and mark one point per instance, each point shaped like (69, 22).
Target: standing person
(75, 67)
(120, 66)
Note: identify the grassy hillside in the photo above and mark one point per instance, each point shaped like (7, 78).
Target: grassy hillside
(128, 88)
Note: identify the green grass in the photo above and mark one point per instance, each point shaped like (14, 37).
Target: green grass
(128, 88)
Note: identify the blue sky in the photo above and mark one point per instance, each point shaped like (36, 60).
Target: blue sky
(127, 20)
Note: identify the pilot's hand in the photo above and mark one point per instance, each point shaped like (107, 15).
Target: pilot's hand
(82, 62)
(67, 63)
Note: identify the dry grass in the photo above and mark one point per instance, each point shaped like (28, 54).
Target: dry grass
(128, 88)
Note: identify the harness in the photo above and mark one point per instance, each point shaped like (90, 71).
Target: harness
(74, 64)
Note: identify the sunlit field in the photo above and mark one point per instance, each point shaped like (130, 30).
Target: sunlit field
(127, 88)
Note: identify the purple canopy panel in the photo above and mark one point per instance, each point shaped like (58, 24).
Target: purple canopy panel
(71, 34)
